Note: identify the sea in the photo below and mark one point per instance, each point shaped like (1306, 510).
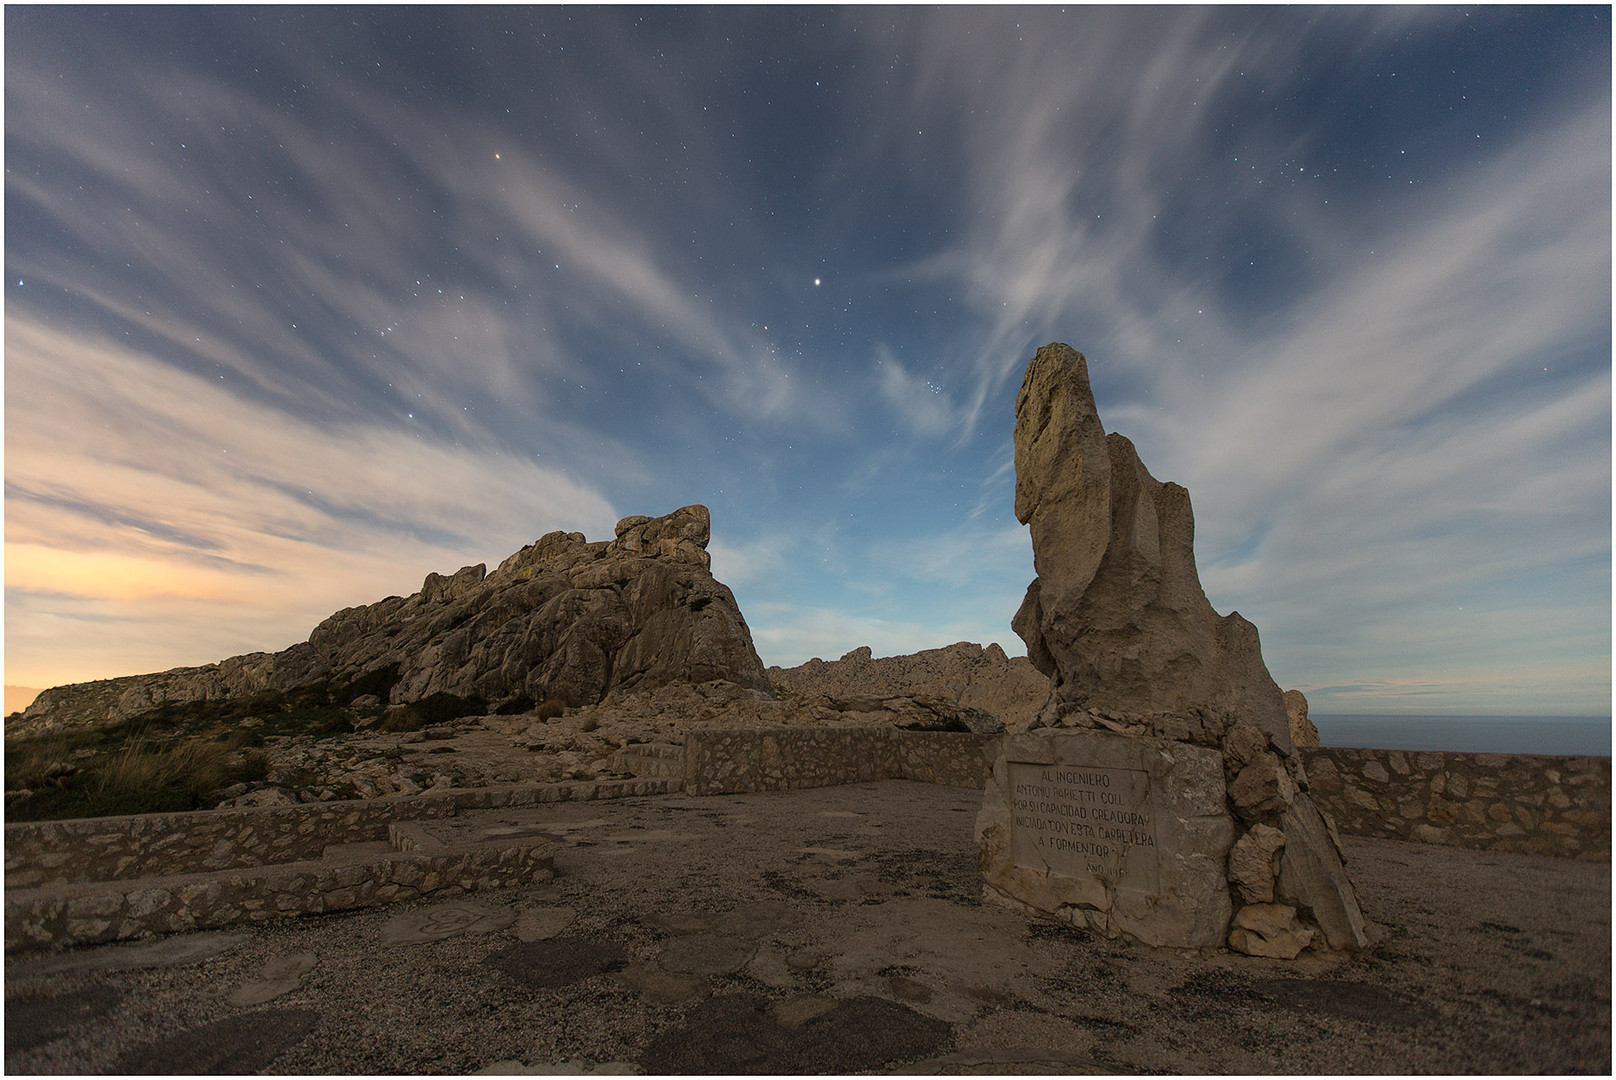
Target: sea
(1473, 734)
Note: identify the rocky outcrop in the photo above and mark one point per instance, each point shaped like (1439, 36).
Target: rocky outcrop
(1303, 733)
(1118, 620)
(1116, 616)
(965, 674)
(563, 619)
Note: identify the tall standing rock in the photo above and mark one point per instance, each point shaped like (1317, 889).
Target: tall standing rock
(1075, 822)
(1116, 616)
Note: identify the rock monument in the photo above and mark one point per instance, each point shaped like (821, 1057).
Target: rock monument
(1159, 794)
(562, 619)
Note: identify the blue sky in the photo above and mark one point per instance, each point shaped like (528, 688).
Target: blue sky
(304, 303)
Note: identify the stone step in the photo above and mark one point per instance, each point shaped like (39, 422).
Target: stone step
(413, 862)
(426, 850)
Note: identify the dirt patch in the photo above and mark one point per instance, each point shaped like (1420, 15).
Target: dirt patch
(34, 1020)
(558, 961)
(739, 1034)
(247, 1043)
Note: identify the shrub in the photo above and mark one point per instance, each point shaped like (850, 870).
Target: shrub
(137, 780)
(254, 766)
(552, 708)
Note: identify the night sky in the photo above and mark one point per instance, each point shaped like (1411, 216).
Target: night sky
(303, 303)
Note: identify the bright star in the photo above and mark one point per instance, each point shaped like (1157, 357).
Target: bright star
(816, 282)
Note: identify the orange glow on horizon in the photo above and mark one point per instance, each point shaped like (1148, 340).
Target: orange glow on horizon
(114, 576)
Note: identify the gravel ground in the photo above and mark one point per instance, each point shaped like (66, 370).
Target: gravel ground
(834, 930)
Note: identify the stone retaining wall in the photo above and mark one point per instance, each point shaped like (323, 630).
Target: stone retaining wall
(724, 761)
(156, 845)
(1497, 802)
(104, 879)
(93, 912)
(953, 759)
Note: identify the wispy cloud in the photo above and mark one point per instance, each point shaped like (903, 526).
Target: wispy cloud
(138, 494)
(1426, 422)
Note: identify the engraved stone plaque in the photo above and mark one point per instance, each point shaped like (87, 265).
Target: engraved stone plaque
(1083, 821)
(1120, 834)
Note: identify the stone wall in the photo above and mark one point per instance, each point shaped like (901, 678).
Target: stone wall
(93, 912)
(723, 761)
(42, 853)
(105, 879)
(155, 845)
(1500, 802)
(1497, 802)
(952, 759)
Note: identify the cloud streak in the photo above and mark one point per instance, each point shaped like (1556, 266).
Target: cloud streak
(132, 484)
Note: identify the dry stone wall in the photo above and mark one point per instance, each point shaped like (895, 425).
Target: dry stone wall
(725, 761)
(94, 912)
(105, 879)
(1497, 802)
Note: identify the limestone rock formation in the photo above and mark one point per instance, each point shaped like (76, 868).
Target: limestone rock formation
(1116, 616)
(562, 619)
(1117, 619)
(966, 674)
(1303, 733)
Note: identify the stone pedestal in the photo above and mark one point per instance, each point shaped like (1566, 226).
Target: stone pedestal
(1119, 834)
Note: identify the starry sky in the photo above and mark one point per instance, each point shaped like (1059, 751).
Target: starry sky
(303, 303)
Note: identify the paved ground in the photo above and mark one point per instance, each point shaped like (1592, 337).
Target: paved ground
(833, 930)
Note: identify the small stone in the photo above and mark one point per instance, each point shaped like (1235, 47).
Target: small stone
(1270, 930)
(1262, 787)
(1251, 863)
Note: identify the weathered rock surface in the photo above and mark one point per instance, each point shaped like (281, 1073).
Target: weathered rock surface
(1271, 930)
(1116, 616)
(1117, 619)
(561, 619)
(1303, 733)
(965, 674)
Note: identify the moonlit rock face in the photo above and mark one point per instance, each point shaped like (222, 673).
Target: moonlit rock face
(1116, 616)
(563, 618)
(1085, 825)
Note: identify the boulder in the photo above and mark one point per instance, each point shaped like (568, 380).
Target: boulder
(562, 619)
(1271, 930)
(1251, 863)
(1303, 733)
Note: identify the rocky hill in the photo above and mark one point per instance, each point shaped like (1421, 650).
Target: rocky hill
(563, 620)
(964, 674)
